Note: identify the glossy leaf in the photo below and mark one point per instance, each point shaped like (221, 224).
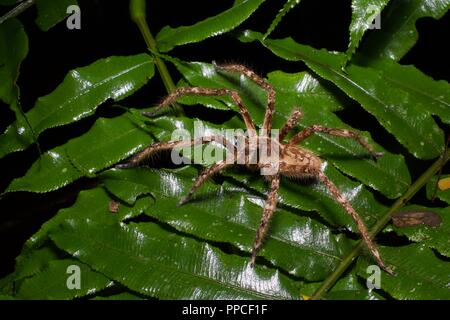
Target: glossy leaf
(227, 214)
(32, 262)
(420, 274)
(78, 96)
(51, 171)
(432, 189)
(350, 287)
(431, 96)
(12, 33)
(108, 142)
(388, 174)
(288, 6)
(51, 283)
(51, 12)
(169, 37)
(363, 14)
(152, 261)
(392, 103)
(91, 204)
(434, 237)
(398, 33)
(126, 190)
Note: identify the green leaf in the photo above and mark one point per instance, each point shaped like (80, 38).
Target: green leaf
(91, 204)
(388, 174)
(51, 171)
(32, 262)
(106, 143)
(431, 96)
(431, 187)
(12, 34)
(81, 92)
(51, 283)
(391, 102)
(363, 14)
(152, 261)
(288, 6)
(51, 12)
(168, 37)
(420, 274)
(398, 32)
(434, 237)
(350, 287)
(125, 190)
(299, 245)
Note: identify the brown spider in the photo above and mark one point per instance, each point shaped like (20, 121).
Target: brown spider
(293, 160)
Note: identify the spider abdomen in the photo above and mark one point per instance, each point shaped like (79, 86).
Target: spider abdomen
(297, 162)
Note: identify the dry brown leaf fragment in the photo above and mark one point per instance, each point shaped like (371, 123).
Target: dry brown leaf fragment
(414, 218)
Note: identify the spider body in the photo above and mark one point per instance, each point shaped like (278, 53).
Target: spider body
(282, 159)
(297, 162)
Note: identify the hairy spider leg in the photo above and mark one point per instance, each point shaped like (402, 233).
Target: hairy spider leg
(334, 132)
(269, 209)
(359, 223)
(160, 146)
(208, 172)
(177, 93)
(267, 124)
(203, 177)
(293, 119)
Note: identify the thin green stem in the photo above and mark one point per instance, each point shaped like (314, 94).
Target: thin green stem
(412, 190)
(137, 12)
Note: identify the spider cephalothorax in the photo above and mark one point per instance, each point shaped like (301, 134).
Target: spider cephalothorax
(291, 160)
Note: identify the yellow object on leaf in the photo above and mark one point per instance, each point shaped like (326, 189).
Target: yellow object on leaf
(444, 184)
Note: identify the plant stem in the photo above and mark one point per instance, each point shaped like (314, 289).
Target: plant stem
(17, 10)
(412, 190)
(137, 12)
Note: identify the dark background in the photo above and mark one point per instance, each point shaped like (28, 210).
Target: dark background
(106, 30)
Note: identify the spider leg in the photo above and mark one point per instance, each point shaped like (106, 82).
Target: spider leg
(290, 123)
(359, 223)
(177, 93)
(267, 124)
(160, 146)
(334, 132)
(203, 177)
(269, 209)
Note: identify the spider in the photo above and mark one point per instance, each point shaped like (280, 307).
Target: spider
(293, 161)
